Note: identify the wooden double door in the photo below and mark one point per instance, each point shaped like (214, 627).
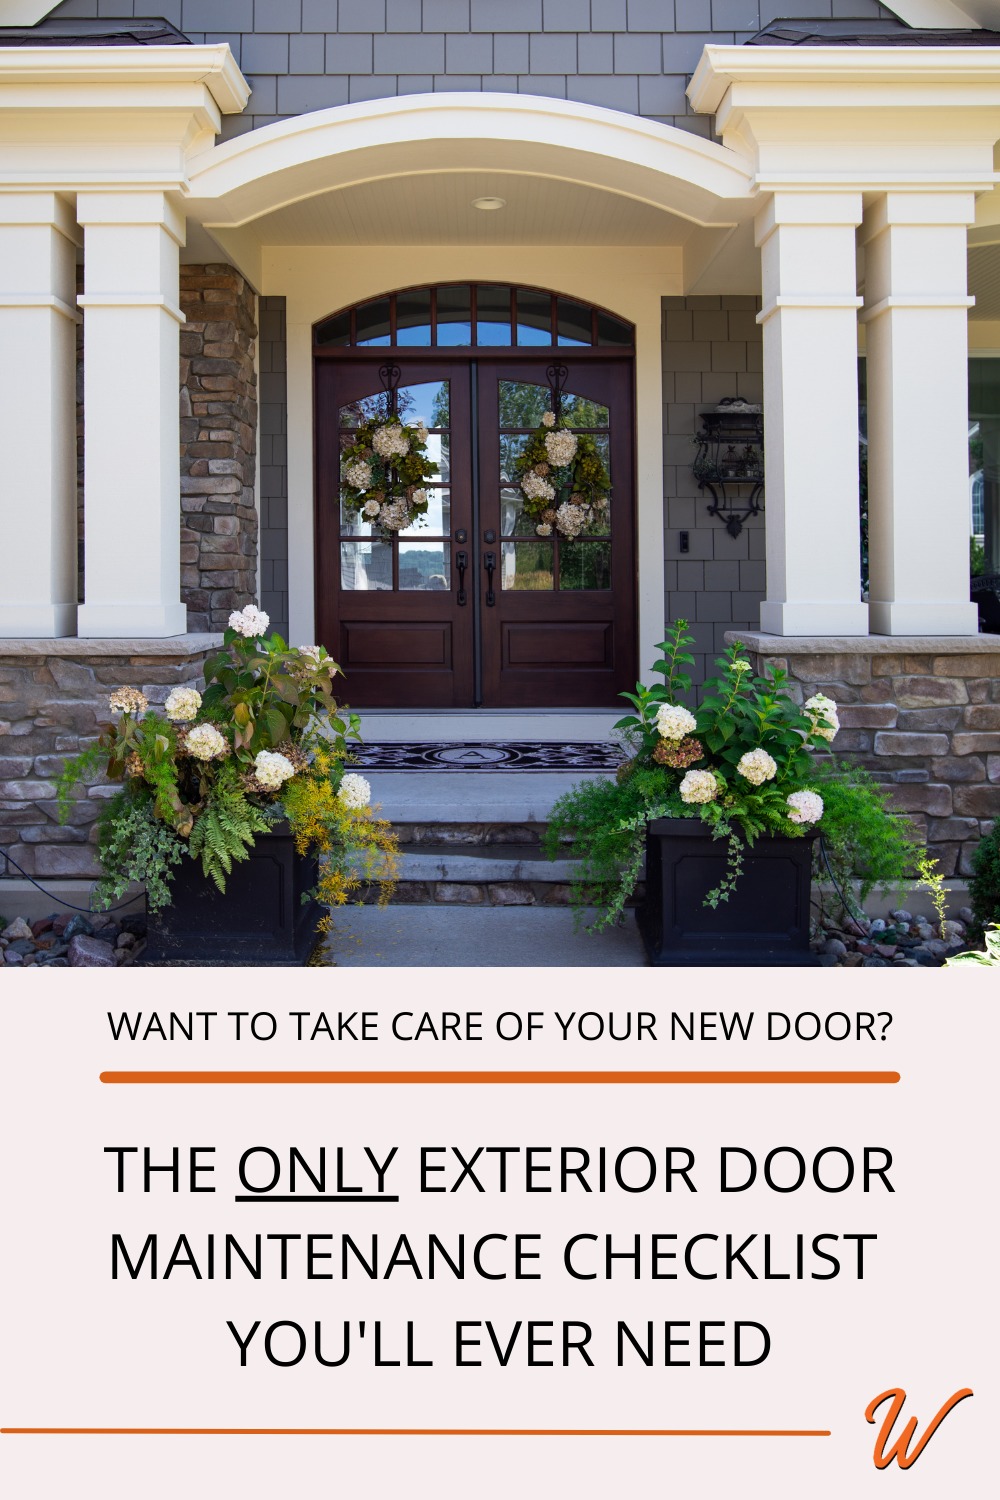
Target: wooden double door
(472, 608)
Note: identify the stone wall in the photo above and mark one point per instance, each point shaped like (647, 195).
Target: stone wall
(218, 397)
(53, 700)
(923, 716)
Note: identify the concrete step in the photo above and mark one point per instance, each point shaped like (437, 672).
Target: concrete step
(479, 874)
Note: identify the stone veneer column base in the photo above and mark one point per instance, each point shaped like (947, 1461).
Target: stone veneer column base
(53, 701)
(920, 712)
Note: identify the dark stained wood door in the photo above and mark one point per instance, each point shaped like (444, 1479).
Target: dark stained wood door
(540, 622)
(558, 625)
(391, 610)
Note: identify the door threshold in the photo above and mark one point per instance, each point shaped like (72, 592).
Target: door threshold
(380, 725)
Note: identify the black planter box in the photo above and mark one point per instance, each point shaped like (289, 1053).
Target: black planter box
(261, 918)
(764, 922)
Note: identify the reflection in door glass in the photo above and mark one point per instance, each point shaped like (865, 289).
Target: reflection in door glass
(572, 322)
(534, 318)
(585, 565)
(436, 520)
(366, 565)
(373, 322)
(426, 401)
(493, 316)
(425, 566)
(454, 315)
(413, 317)
(513, 519)
(526, 565)
(522, 405)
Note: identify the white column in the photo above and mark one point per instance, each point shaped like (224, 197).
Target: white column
(809, 317)
(132, 433)
(916, 317)
(38, 320)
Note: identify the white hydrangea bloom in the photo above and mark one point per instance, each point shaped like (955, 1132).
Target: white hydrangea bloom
(272, 769)
(418, 497)
(548, 419)
(543, 530)
(422, 433)
(822, 712)
(756, 766)
(250, 622)
(561, 447)
(673, 722)
(805, 807)
(699, 786)
(358, 474)
(370, 509)
(537, 487)
(182, 704)
(354, 791)
(395, 515)
(128, 700)
(570, 519)
(311, 651)
(205, 742)
(390, 441)
(740, 665)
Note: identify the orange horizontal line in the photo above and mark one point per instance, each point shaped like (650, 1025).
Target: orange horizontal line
(409, 1432)
(357, 1076)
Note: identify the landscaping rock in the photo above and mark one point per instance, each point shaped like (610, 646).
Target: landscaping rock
(90, 953)
(17, 930)
(77, 926)
(874, 963)
(853, 960)
(835, 946)
(10, 957)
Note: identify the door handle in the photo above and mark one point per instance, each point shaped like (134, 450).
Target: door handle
(461, 563)
(490, 562)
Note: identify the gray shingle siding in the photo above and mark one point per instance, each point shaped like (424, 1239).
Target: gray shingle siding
(632, 55)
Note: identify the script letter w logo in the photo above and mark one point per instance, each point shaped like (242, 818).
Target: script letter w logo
(900, 1449)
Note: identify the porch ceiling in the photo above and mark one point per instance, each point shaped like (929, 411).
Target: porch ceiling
(436, 208)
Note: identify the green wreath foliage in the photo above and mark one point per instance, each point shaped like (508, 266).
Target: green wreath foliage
(393, 482)
(569, 497)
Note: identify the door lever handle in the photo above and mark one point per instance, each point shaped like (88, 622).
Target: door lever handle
(461, 563)
(490, 561)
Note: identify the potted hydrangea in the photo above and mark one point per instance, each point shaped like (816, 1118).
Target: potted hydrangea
(721, 800)
(236, 810)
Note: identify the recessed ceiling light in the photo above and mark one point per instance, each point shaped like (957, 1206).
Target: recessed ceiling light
(489, 205)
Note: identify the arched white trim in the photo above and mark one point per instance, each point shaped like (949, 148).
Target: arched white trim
(267, 169)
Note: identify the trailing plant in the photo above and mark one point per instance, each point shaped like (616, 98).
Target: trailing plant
(266, 741)
(135, 847)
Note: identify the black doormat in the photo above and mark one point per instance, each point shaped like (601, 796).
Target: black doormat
(525, 755)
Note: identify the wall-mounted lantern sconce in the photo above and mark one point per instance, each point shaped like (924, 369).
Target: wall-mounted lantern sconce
(729, 463)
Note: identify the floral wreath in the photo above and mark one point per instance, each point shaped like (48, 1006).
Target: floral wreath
(563, 478)
(382, 473)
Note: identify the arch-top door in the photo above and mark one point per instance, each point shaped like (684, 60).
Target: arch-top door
(473, 608)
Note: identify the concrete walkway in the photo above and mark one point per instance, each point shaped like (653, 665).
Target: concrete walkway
(453, 937)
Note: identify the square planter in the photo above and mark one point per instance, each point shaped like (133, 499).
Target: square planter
(261, 918)
(764, 922)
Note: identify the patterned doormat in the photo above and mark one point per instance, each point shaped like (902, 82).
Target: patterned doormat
(525, 755)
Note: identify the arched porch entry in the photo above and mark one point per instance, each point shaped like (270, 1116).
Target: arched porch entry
(471, 607)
